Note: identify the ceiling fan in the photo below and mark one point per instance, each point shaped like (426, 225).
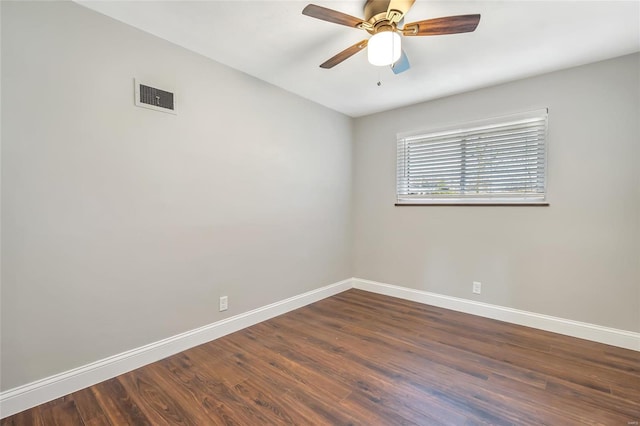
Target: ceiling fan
(382, 18)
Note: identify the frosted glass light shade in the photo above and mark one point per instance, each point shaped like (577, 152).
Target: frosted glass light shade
(384, 48)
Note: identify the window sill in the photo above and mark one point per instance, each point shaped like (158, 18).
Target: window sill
(487, 204)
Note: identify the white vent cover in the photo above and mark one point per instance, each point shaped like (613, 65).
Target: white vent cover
(148, 96)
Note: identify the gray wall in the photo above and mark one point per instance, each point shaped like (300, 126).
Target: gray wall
(577, 259)
(123, 226)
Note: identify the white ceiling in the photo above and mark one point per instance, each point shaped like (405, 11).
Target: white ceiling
(273, 41)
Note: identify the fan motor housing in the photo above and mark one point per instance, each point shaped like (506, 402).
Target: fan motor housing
(375, 10)
(381, 19)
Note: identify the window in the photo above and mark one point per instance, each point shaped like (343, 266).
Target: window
(497, 161)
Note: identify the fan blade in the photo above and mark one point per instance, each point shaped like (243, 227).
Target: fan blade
(331, 15)
(440, 26)
(401, 64)
(345, 54)
(398, 8)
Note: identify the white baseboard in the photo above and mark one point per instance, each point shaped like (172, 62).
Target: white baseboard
(610, 336)
(24, 397)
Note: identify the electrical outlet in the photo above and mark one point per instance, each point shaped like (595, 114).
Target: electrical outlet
(477, 287)
(224, 303)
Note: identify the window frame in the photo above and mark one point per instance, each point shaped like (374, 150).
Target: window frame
(469, 127)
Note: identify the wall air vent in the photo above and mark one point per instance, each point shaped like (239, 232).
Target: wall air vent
(150, 97)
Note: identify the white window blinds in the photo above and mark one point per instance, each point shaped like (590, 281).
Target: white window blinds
(496, 161)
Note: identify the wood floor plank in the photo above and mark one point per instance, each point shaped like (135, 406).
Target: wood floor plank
(117, 404)
(25, 418)
(394, 372)
(566, 410)
(62, 414)
(219, 369)
(89, 409)
(268, 403)
(290, 376)
(610, 405)
(159, 400)
(210, 394)
(363, 358)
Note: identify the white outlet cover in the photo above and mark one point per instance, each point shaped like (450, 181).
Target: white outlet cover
(224, 303)
(477, 287)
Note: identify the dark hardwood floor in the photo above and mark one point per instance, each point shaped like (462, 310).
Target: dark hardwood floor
(362, 358)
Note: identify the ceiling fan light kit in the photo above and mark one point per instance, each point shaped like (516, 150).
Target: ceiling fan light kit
(384, 48)
(381, 20)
